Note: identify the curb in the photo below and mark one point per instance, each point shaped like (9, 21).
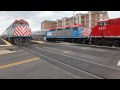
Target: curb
(102, 47)
(7, 43)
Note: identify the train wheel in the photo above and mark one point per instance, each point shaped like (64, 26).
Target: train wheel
(28, 41)
(86, 42)
(96, 42)
(18, 41)
(107, 43)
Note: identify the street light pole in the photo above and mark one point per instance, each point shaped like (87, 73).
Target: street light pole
(90, 24)
(89, 19)
(73, 17)
(57, 23)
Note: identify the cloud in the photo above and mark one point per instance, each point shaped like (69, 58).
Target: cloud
(114, 14)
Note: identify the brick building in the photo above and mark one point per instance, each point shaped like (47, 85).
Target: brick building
(47, 24)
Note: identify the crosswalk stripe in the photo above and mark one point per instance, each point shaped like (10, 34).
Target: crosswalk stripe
(3, 52)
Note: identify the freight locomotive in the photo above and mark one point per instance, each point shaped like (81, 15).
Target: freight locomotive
(18, 33)
(106, 32)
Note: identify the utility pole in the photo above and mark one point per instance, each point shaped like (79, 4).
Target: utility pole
(89, 19)
(73, 17)
(57, 23)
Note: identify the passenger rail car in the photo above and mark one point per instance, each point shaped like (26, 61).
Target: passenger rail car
(18, 33)
(39, 35)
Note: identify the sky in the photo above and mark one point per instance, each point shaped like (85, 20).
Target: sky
(35, 18)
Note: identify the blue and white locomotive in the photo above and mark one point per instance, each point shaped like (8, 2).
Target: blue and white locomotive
(67, 34)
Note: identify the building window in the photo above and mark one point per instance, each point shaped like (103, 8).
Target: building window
(93, 16)
(82, 21)
(97, 15)
(75, 29)
(101, 15)
(93, 20)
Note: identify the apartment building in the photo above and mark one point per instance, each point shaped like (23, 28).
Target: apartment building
(92, 17)
(89, 19)
(59, 23)
(63, 22)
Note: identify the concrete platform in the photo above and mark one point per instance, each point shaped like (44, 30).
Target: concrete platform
(39, 42)
(4, 43)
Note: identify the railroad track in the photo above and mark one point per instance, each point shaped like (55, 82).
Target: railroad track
(94, 46)
(65, 64)
(77, 64)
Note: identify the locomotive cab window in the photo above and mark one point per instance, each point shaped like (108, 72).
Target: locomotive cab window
(105, 23)
(102, 24)
(76, 28)
(99, 23)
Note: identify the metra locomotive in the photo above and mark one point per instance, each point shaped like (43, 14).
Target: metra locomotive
(106, 32)
(18, 33)
(68, 34)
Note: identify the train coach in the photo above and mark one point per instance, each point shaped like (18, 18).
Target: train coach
(18, 33)
(39, 35)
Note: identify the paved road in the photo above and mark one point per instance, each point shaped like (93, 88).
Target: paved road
(1, 42)
(84, 62)
(60, 61)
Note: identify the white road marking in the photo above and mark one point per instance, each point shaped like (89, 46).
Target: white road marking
(45, 47)
(5, 51)
(84, 48)
(118, 63)
(7, 43)
(37, 41)
(67, 52)
(80, 59)
(2, 52)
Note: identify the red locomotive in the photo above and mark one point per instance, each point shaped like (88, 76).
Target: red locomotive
(106, 33)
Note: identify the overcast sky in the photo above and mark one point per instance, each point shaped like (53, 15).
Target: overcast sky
(36, 17)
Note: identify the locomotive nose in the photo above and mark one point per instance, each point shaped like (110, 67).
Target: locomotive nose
(22, 31)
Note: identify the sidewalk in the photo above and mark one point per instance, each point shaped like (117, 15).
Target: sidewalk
(37, 41)
(6, 43)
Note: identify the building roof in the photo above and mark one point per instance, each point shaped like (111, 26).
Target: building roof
(47, 21)
(95, 12)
